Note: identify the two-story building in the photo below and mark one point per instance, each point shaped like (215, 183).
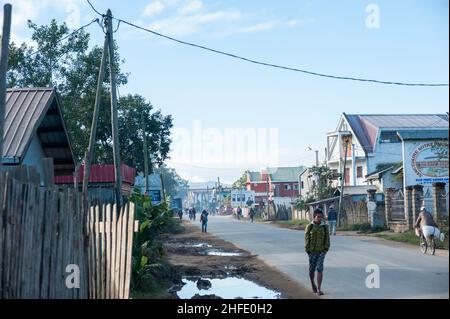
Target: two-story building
(274, 182)
(368, 143)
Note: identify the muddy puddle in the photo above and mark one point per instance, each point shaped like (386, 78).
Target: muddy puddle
(226, 288)
(199, 245)
(218, 252)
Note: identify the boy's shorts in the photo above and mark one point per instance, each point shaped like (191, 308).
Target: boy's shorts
(316, 261)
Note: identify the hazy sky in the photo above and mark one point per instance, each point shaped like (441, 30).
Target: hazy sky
(213, 98)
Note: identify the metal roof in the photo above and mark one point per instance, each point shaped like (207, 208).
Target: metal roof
(424, 135)
(366, 126)
(285, 174)
(100, 173)
(31, 111)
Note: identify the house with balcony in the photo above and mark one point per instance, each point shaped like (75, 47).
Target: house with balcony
(368, 144)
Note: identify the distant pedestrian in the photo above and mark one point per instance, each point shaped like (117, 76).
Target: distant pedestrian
(332, 220)
(204, 220)
(251, 214)
(180, 214)
(317, 244)
(239, 212)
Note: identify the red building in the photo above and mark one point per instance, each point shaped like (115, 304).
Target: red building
(101, 179)
(274, 182)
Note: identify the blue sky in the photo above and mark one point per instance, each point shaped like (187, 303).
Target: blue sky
(411, 45)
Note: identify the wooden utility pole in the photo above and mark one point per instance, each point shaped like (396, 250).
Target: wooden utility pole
(92, 137)
(145, 150)
(341, 195)
(114, 119)
(4, 51)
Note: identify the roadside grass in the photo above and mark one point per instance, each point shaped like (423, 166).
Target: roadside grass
(411, 238)
(364, 228)
(300, 222)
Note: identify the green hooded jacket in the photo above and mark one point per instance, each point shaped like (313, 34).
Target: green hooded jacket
(317, 238)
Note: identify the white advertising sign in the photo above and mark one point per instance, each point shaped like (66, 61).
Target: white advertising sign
(425, 162)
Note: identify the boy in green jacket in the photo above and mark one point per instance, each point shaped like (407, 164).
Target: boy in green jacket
(317, 243)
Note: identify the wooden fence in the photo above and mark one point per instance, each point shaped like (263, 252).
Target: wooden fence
(110, 241)
(49, 248)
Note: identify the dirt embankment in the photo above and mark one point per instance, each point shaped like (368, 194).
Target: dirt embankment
(187, 253)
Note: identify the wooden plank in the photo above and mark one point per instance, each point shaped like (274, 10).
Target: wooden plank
(104, 249)
(49, 171)
(17, 254)
(123, 254)
(38, 240)
(108, 225)
(91, 253)
(11, 240)
(113, 251)
(130, 237)
(27, 209)
(97, 252)
(7, 237)
(46, 234)
(91, 271)
(53, 232)
(2, 233)
(118, 252)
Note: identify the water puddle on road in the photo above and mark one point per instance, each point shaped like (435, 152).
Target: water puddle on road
(227, 288)
(200, 245)
(216, 252)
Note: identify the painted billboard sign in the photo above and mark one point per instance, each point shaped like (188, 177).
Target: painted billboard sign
(425, 162)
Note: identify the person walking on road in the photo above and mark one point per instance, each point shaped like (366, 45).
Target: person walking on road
(239, 212)
(317, 244)
(251, 214)
(204, 220)
(332, 219)
(193, 213)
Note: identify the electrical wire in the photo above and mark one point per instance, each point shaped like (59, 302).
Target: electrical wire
(336, 77)
(70, 34)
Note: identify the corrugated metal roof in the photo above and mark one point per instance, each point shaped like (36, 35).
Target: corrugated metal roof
(366, 126)
(30, 109)
(424, 135)
(285, 174)
(100, 173)
(23, 113)
(255, 177)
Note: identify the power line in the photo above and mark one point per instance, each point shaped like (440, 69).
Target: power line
(93, 8)
(281, 66)
(336, 77)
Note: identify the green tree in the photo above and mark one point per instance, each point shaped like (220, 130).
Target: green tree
(321, 189)
(241, 182)
(67, 63)
(174, 185)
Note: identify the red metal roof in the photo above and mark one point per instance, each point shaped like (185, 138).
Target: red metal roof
(100, 173)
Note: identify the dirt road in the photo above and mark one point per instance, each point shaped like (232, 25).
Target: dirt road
(189, 253)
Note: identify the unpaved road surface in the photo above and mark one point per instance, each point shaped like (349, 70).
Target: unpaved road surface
(185, 252)
(404, 271)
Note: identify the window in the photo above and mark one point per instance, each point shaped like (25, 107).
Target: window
(287, 187)
(296, 187)
(359, 171)
(303, 185)
(389, 137)
(347, 176)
